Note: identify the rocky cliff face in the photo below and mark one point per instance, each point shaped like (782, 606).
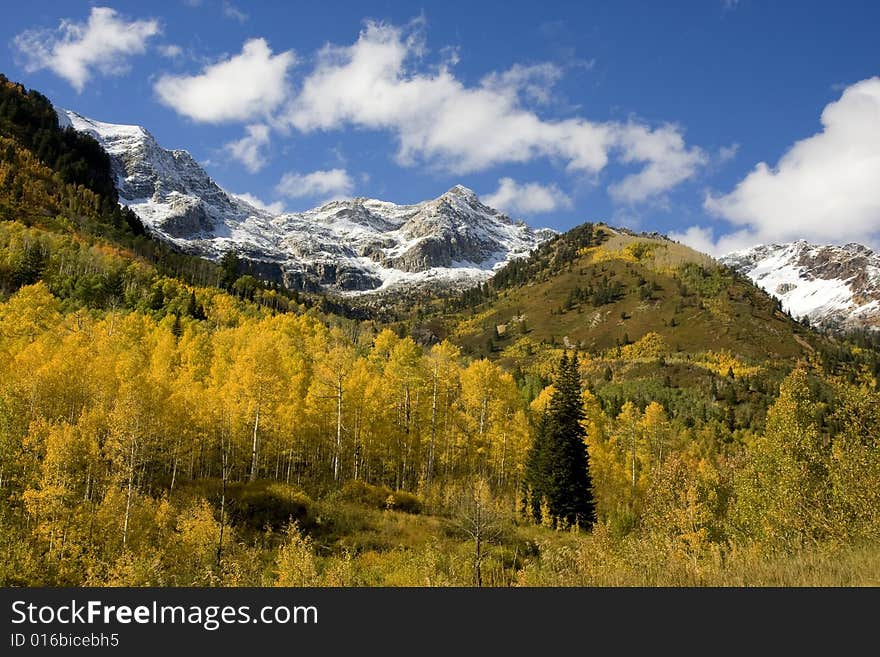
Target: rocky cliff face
(352, 246)
(834, 286)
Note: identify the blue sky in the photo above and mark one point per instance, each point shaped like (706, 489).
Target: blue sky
(722, 123)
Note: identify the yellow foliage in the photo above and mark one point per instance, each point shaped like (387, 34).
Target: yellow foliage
(295, 564)
(474, 325)
(722, 362)
(539, 403)
(649, 347)
(521, 350)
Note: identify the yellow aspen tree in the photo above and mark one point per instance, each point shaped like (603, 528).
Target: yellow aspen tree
(255, 384)
(608, 466)
(194, 547)
(442, 366)
(405, 378)
(782, 493)
(854, 470)
(542, 400)
(32, 310)
(384, 343)
(629, 429)
(480, 387)
(362, 393)
(654, 427)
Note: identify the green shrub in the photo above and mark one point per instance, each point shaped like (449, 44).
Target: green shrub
(379, 497)
(263, 504)
(360, 492)
(403, 501)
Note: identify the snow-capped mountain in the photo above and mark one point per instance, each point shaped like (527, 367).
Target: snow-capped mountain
(834, 286)
(354, 246)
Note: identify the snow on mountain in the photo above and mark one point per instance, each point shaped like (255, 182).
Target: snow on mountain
(352, 246)
(834, 286)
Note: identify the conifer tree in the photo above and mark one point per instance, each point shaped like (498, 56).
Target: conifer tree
(557, 467)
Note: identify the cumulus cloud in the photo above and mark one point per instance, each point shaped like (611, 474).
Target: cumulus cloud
(527, 198)
(275, 208)
(240, 88)
(702, 238)
(74, 51)
(375, 83)
(328, 184)
(250, 149)
(825, 188)
(668, 161)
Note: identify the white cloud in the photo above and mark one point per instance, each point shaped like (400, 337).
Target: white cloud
(275, 208)
(240, 88)
(527, 198)
(696, 237)
(668, 161)
(329, 184)
(233, 12)
(438, 119)
(727, 153)
(534, 82)
(250, 149)
(825, 188)
(74, 51)
(703, 239)
(170, 51)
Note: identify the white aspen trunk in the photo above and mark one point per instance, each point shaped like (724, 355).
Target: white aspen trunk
(253, 475)
(224, 473)
(86, 494)
(633, 458)
(406, 423)
(174, 467)
(415, 445)
(337, 457)
(430, 468)
(503, 454)
(356, 451)
(192, 462)
(446, 442)
(128, 494)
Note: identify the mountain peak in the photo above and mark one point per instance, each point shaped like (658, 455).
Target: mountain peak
(353, 246)
(461, 190)
(832, 285)
(99, 129)
(460, 196)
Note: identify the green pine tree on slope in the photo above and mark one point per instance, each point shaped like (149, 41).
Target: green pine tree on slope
(557, 477)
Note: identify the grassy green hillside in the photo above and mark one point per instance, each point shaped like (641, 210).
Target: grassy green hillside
(653, 319)
(614, 293)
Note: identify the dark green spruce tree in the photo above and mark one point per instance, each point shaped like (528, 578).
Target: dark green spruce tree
(557, 467)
